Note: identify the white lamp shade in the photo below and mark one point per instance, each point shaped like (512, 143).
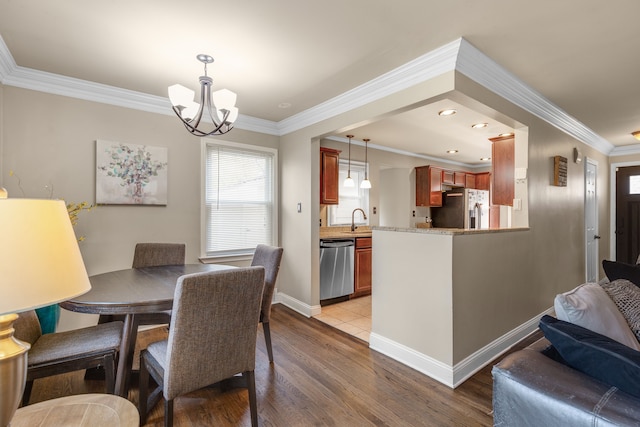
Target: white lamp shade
(365, 183)
(233, 115)
(40, 261)
(348, 182)
(190, 110)
(224, 99)
(180, 96)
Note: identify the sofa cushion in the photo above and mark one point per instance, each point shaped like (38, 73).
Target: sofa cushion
(619, 270)
(594, 354)
(626, 296)
(589, 306)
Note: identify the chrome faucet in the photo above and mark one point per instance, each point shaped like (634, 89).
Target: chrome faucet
(353, 225)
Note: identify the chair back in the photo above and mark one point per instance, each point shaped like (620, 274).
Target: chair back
(158, 254)
(27, 327)
(214, 328)
(268, 257)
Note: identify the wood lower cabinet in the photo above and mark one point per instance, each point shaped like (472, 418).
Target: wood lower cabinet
(329, 172)
(428, 186)
(362, 267)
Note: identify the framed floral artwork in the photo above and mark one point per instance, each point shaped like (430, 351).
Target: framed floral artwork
(130, 174)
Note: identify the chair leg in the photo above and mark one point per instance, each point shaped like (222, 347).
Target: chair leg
(253, 404)
(168, 413)
(27, 393)
(110, 373)
(143, 389)
(267, 340)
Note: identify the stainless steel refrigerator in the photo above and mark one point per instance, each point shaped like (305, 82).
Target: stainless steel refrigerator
(462, 208)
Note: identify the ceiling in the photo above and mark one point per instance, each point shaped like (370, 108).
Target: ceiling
(283, 57)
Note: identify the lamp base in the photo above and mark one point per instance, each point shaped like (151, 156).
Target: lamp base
(13, 369)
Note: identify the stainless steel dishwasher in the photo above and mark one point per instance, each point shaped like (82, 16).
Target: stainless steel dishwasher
(336, 268)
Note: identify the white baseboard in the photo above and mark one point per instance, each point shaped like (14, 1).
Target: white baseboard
(297, 305)
(453, 376)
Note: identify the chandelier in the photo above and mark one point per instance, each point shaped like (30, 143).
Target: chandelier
(220, 105)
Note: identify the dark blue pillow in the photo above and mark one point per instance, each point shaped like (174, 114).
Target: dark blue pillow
(598, 356)
(619, 270)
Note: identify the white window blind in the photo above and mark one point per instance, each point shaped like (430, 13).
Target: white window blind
(239, 198)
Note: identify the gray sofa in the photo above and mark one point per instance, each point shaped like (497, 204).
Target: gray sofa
(532, 389)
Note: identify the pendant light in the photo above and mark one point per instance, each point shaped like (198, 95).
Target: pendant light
(365, 183)
(348, 182)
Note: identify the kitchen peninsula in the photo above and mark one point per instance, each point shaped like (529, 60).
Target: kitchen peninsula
(443, 300)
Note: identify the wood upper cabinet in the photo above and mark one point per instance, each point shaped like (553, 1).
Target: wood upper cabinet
(329, 172)
(428, 186)
(460, 178)
(448, 177)
(483, 181)
(362, 267)
(469, 180)
(502, 177)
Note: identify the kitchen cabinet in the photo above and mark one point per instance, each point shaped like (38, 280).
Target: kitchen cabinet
(502, 177)
(329, 172)
(460, 179)
(362, 267)
(469, 180)
(448, 177)
(428, 186)
(483, 181)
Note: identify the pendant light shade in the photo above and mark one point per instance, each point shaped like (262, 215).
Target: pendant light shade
(365, 183)
(348, 182)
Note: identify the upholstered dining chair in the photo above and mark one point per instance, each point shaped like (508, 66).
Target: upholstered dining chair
(62, 352)
(152, 255)
(268, 257)
(212, 337)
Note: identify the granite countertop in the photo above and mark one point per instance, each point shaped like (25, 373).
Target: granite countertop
(450, 231)
(344, 232)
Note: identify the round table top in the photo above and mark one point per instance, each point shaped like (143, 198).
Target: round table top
(90, 410)
(135, 290)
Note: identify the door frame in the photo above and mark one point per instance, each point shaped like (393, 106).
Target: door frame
(588, 161)
(612, 204)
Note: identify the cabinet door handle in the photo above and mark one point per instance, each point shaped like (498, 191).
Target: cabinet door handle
(596, 237)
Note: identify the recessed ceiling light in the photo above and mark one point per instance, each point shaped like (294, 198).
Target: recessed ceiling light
(506, 134)
(485, 159)
(452, 151)
(447, 112)
(479, 125)
(636, 134)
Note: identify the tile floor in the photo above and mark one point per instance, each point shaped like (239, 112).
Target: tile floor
(352, 317)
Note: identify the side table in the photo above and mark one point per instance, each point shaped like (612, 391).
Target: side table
(82, 410)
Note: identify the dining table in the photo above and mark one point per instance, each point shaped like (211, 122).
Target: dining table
(132, 292)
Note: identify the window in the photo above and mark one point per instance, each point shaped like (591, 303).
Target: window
(239, 197)
(350, 198)
(634, 184)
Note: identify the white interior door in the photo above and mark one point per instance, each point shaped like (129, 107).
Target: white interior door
(591, 220)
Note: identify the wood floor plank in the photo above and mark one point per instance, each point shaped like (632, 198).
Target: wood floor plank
(320, 377)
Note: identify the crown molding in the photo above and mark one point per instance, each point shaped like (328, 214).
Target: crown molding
(625, 150)
(419, 70)
(458, 55)
(486, 72)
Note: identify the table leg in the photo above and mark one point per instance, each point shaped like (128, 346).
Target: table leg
(125, 358)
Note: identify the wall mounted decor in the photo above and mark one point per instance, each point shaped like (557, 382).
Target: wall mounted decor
(130, 174)
(560, 171)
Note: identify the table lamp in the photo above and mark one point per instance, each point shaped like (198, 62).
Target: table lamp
(40, 264)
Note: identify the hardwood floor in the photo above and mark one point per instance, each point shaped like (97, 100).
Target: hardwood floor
(321, 377)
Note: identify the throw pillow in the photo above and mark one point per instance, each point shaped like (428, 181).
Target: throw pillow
(619, 270)
(595, 355)
(626, 297)
(589, 306)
